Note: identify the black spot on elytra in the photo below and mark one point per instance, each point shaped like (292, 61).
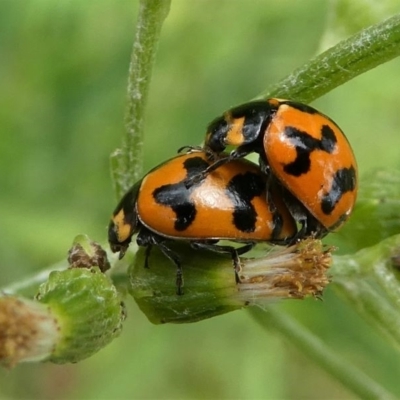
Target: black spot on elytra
(177, 195)
(343, 181)
(241, 190)
(305, 145)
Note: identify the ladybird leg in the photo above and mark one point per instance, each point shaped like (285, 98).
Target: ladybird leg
(310, 226)
(300, 215)
(236, 260)
(148, 239)
(234, 252)
(270, 184)
(237, 266)
(190, 149)
(276, 193)
(122, 250)
(245, 248)
(240, 152)
(265, 168)
(211, 155)
(221, 250)
(195, 179)
(147, 255)
(176, 260)
(315, 228)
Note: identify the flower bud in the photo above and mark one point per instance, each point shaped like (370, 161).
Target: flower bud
(88, 309)
(28, 331)
(76, 313)
(85, 253)
(210, 288)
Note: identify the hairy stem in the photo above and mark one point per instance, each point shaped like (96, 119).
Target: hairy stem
(361, 52)
(126, 163)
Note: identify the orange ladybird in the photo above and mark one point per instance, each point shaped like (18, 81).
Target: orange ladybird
(301, 148)
(229, 204)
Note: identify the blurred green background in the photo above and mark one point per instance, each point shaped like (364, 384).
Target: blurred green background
(63, 74)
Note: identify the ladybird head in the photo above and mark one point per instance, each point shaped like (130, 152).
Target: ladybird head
(239, 126)
(216, 134)
(124, 222)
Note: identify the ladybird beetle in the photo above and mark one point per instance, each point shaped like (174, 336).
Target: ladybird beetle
(228, 204)
(300, 147)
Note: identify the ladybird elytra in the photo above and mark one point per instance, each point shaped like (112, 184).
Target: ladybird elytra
(301, 147)
(229, 203)
(311, 156)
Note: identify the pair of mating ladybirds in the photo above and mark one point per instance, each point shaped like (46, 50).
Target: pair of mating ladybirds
(305, 184)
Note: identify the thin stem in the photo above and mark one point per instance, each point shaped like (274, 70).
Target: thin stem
(389, 282)
(28, 286)
(126, 163)
(351, 377)
(361, 52)
(385, 273)
(375, 263)
(371, 305)
(367, 281)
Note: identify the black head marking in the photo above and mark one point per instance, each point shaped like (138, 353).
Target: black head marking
(241, 190)
(217, 131)
(256, 115)
(127, 206)
(343, 181)
(300, 106)
(177, 195)
(305, 145)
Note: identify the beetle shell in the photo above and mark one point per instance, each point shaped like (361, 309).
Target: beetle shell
(311, 156)
(300, 147)
(230, 203)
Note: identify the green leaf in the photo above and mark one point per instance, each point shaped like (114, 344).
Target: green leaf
(361, 52)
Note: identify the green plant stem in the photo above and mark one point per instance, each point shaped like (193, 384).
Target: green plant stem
(29, 286)
(372, 305)
(385, 274)
(351, 377)
(126, 163)
(346, 60)
(368, 282)
(389, 282)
